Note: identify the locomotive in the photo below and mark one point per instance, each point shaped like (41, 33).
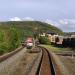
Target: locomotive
(29, 42)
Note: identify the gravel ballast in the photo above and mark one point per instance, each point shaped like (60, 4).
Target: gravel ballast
(22, 63)
(69, 64)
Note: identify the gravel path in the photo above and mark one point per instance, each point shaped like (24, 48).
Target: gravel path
(22, 63)
(69, 64)
(9, 65)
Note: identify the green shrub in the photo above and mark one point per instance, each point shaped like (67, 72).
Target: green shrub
(44, 40)
(10, 39)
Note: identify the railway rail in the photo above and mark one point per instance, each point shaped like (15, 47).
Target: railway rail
(47, 65)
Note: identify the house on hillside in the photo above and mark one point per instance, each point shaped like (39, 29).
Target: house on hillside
(52, 36)
(73, 36)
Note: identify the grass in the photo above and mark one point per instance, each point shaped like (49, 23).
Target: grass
(55, 49)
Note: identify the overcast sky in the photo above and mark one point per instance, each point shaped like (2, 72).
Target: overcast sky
(60, 13)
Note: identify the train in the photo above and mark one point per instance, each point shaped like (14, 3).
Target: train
(69, 42)
(65, 41)
(28, 43)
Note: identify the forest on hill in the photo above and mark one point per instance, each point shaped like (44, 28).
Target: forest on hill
(13, 33)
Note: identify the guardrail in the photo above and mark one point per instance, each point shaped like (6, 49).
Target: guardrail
(7, 55)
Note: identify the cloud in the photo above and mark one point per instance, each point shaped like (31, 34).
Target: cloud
(67, 25)
(67, 22)
(63, 21)
(21, 19)
(54, 23)
(28, 19)
(15, 19)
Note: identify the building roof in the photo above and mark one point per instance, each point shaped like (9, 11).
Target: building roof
(52, 33)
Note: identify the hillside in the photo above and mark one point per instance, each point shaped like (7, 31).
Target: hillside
(12, 33)
(31, 26)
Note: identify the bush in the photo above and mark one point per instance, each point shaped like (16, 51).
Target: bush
(44, 40)
(10, 39)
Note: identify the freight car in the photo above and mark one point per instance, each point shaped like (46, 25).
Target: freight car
(68, 42)
(65, 41)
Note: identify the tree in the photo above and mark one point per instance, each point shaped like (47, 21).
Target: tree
(44, 40)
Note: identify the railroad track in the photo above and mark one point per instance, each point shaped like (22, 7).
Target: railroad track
(47, 65)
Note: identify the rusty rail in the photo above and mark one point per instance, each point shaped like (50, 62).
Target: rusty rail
(48, 65)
